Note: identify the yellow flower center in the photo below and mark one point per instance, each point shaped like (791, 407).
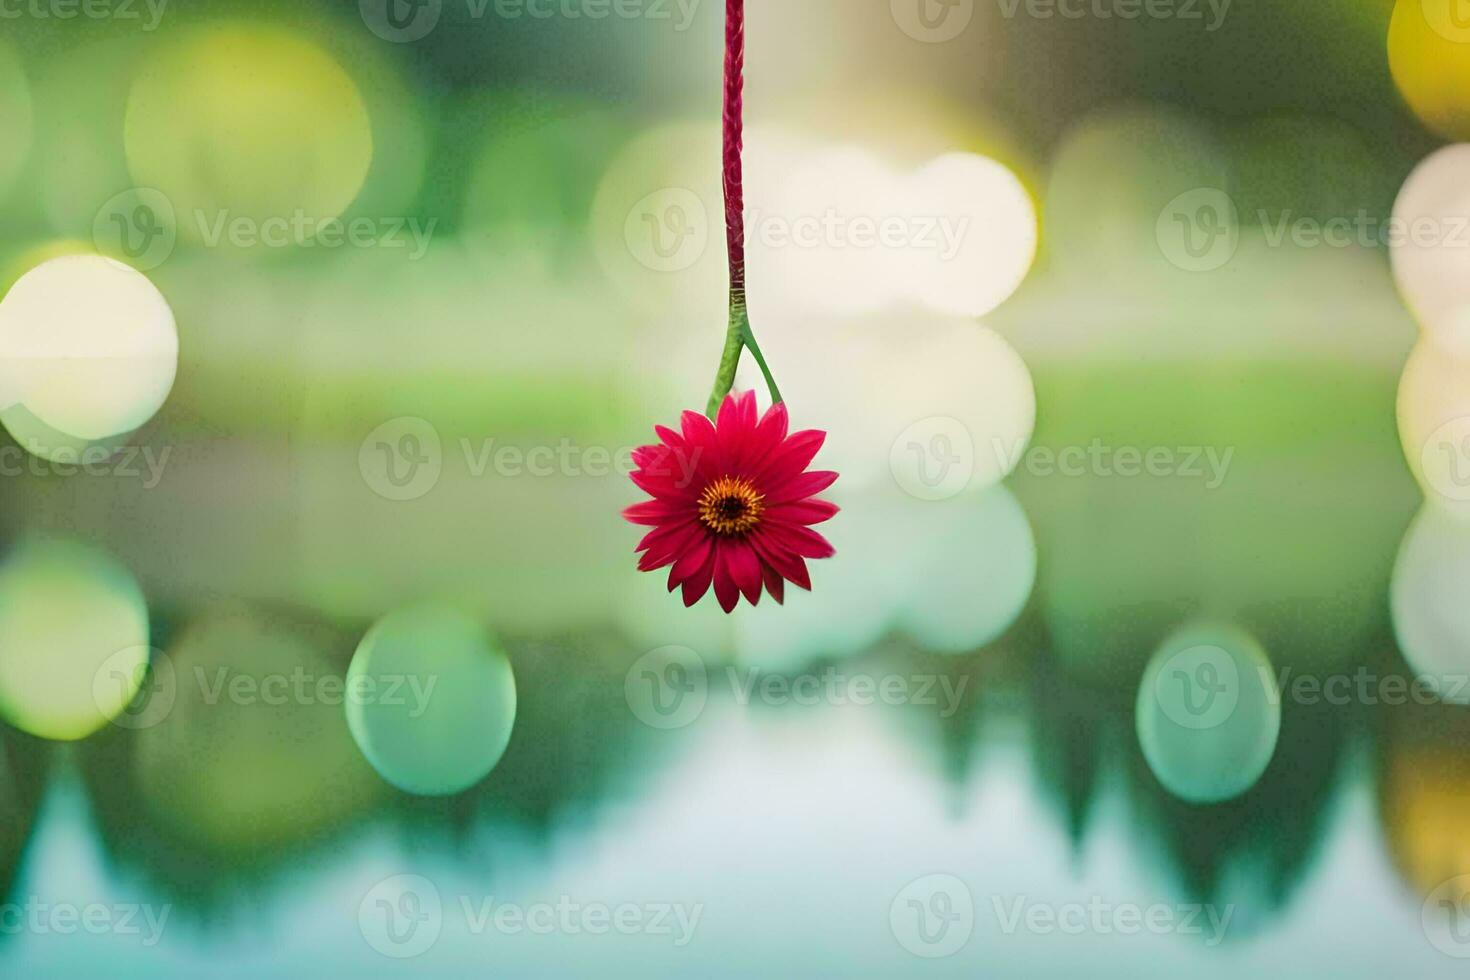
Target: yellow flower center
(730, 506)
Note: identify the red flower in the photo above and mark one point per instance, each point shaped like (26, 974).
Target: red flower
(733, 503)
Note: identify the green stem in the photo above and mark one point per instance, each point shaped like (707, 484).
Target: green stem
(730, 358)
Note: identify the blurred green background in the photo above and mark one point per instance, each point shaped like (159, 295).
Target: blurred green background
(1109, 391)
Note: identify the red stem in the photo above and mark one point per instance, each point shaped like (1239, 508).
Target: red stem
(734, 125)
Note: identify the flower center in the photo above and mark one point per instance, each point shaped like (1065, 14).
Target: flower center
(730, 506)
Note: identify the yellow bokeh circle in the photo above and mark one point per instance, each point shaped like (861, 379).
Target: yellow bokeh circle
(245, 124)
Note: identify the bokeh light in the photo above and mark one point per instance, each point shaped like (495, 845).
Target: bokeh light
(88, 347)
(657, 219)
(1208, 713)
(987, 234)
(247, 122)
(246, 749)
(960, 373)
(73, 638)
(975, 577)
(1430, 616)
(1434, 425)
(452, 735)
(1429, 55)
(820, 232)
(1431, 260)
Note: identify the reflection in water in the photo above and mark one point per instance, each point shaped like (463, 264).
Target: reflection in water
(1431, 618)
(23, 766)
(1208, 713)
(73, 638)
(1425, 799)
(429, 701)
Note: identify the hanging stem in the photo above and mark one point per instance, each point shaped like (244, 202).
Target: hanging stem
(738, 336)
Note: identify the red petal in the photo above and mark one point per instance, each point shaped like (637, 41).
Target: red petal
(696, 585)
(800, 541)
(689, 563)
(745, 569)
(668, 547)
(791, 457)
(725, 590)
(651, 513)
(800, 487)
(790, 566)
(775, 584)
(803, 512)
